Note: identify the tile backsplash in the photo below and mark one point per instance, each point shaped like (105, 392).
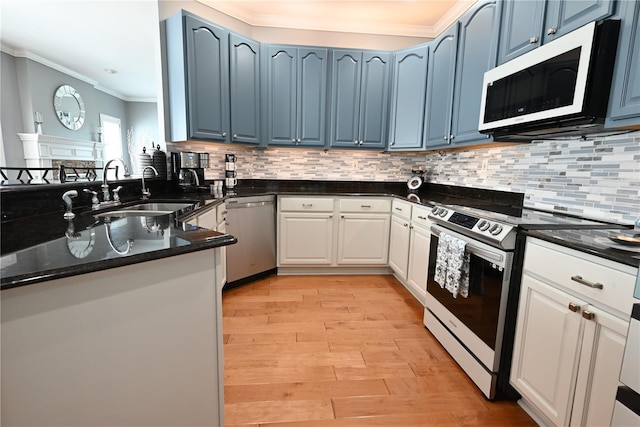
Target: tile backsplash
(597, 178)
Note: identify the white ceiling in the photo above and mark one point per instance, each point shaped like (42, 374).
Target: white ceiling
(85, 37)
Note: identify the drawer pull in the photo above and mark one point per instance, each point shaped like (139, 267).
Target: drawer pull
(398, 209)
(365, 206)
(424, 218)
(307, 205)
(574, 307)
(580, 280)
(588, 315)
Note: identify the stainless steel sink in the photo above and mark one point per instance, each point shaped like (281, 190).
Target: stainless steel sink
(165, 207)
(147, 209)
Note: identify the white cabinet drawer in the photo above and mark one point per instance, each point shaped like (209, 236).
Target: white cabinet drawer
(401, 209)
(420, 216)
(361, 204)
(306, 204)
(575, 271)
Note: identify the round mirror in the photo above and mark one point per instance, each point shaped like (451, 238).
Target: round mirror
(69, 107)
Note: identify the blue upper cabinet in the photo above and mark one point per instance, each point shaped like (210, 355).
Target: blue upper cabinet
(521, 28)
(294, 98)
(441, 73)
(564, 16)
(198, 79)
(528, 24)
(477, 52)
(624, 100)
(408, 98)
(359, 99)
(244, 90)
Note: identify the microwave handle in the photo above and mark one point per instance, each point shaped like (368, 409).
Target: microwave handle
(471, 248)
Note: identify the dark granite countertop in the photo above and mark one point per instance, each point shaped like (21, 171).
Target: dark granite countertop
(35, 246)
(594, 242)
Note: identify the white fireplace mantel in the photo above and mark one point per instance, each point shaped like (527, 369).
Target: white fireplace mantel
(41, 150)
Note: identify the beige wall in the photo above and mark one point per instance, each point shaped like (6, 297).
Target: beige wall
(290, 36)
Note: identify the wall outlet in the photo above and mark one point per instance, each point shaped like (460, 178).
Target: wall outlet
(485, 165)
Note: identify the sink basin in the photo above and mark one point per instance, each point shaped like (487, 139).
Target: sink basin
(165, 207)
(147, 209)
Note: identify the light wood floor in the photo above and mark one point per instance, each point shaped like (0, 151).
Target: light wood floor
(309, 351)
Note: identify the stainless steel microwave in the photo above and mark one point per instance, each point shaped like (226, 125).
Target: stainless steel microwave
(559, 89)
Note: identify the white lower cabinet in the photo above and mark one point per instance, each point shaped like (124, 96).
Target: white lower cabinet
(570, 334)
(363, 239)
(305, 238)
(333, 232)
(399, 246)
(409, 247)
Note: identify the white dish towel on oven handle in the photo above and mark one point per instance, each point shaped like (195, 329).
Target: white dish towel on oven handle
(452, 265)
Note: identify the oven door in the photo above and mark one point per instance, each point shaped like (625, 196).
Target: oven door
(478, 320)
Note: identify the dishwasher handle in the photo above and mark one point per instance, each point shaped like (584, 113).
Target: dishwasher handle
(236, 205)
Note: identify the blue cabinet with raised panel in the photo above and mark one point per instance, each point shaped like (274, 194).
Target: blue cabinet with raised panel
(408, 98)
(477, 53)
(244, 89)
(624, 100)
(359, 99)
(295, 95)
(528, 24)
(197, 79)
(441, 73)
(458, 60)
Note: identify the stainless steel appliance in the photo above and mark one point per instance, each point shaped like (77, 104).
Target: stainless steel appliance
(478, 330)
(187, 170)
(626, 411)
(559, 89)
(252, 220)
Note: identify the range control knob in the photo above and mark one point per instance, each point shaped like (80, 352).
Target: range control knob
(443, 212)
(483, 225)
(435, 210)
(496, 229)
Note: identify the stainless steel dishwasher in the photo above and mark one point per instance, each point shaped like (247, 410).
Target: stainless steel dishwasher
(252, 220)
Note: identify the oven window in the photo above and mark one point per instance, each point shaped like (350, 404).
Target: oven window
(480, 311)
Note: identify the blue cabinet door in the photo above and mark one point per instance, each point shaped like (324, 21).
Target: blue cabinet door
(521, 28)
(244, 90)
(359, 99)
(280, 100)
(624, 100)
(441, 71)
(564, 16)
(207, 80)
(408, 98)
(374, 100)
(477, 50)
(312, 96)
(346, 72)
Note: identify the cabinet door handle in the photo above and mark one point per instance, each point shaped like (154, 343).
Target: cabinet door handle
(342, 216)
(452, 136)
(552, 30)
(224, 134)
(361, 142)
(411, 226)
(406, 225)
(446, 137)
(235, 136)
(355, 142)
(588, 315)
(298, 141)
(574, 307)
(293, 140)
(580, 280)
(393, 143)
(533, 40)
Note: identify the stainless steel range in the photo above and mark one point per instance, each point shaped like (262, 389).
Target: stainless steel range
(474, 318)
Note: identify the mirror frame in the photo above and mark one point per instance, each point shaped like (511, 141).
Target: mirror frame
(65, 91)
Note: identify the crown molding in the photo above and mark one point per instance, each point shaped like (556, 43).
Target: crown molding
(235, 10)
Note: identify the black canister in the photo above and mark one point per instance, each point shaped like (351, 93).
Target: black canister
(159, 161)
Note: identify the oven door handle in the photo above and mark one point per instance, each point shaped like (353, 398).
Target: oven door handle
(471, 248)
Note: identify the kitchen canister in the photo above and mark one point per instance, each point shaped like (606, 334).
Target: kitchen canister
(159, 161)
(144, 160)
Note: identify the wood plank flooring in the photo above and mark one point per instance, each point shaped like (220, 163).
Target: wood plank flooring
(337, 351)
